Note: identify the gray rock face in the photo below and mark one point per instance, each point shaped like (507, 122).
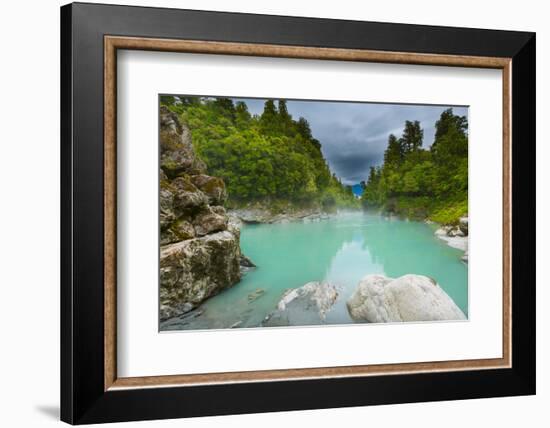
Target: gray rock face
(195, 269)
(187, 199)
(200, 255)
(409, 298)
(179, 230)
(212, 187)
(459, 230)
(463, 225)
(208, 221)
(176, 150)
(246, 262)
(306, 305)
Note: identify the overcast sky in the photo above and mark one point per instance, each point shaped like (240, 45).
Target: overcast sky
(353, 136)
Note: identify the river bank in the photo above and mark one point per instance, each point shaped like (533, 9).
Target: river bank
(456, 236)
(340, 250)
(258, 215)
(453, 233)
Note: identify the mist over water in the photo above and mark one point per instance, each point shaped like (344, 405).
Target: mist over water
(342, 250)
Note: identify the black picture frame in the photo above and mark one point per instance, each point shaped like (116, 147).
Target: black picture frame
(83, 398)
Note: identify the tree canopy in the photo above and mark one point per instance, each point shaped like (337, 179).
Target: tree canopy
(262, 158)
(425, 183)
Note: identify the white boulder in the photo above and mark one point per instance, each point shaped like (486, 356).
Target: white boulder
(324, 294)
(305, 305)
(378, 298)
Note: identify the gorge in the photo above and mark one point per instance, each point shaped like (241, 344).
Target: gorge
(233, 185)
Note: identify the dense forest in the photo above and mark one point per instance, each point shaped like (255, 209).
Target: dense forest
(423, 183)
(271, 160)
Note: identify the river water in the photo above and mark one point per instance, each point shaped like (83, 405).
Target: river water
(342, 250)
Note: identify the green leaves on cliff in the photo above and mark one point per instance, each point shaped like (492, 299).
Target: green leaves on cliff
(261, 158)
(419, 182)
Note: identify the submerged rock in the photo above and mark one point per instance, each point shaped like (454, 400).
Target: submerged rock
(169, 311)
(306, 305)
(409, 298)
(255, 295)
(184, 315)
(246, 262)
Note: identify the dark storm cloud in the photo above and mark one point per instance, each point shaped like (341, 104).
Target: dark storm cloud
(354, 136)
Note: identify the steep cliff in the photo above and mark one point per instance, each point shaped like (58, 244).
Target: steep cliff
(200, 252)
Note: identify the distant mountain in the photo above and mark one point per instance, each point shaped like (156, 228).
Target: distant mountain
(357, 189)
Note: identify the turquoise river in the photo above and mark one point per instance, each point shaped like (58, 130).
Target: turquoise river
(342, 250)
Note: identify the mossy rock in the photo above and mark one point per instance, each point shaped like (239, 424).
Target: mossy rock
(187, 198)
(195, 269)
(213, 187)
(183, 230)
(177, 154)
(178, 230)
(208, 221)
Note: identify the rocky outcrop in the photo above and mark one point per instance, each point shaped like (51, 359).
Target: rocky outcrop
(456, 236)
(177, 155)
(207, 220)
(450, 231)
(246, 264)
(200, 252)
(306, 305)
(255, 215)
(194, 269)
(212, 187)
(463, 225)
(458, 242)
(408, 298)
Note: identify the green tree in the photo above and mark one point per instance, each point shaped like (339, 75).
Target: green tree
(283, 112)
(303, 128)
(412, 136)
(263, 159)
(242, 115)
(225, 107)
(394, 152)
(269, 118)
(421, 182)
(451, 138)
(446, 122)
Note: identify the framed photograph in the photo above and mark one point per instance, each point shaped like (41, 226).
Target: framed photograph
(265, 213)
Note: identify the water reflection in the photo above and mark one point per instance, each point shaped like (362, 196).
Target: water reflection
(341, 250)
